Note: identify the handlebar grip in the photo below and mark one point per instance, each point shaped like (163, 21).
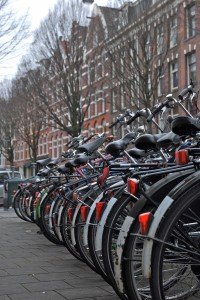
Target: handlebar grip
(157, 110)
(89, 138)
(133, 118)
(185, 91)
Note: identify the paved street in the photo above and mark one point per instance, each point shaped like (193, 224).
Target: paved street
(31, 267)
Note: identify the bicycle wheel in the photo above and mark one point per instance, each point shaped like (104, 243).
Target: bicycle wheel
(18, 205)
(177, 249)
(111, 231)
(66, 232)
(136, 286)
(45, 220)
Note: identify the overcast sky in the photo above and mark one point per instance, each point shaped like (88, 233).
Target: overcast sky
(37, 10)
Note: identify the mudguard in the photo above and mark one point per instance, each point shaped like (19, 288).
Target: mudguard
(158, 215)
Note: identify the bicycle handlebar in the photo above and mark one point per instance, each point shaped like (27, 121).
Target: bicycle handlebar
(156, 111)
(120, 118)
(136, 115)
(185, 91)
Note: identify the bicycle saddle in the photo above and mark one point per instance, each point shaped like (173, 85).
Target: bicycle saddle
(136, 153)
(168, 139)
(43, 172)
(43, 162)
(92, 146)
(82, 159)
(183, 125)
(53, 163)
(114, 148)
(63, 169)
(147, 141)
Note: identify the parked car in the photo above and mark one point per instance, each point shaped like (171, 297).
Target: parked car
(5, 175)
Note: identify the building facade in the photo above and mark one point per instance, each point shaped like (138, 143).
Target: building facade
(132, 58)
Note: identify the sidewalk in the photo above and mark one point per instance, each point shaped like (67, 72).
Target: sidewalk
(31, 267)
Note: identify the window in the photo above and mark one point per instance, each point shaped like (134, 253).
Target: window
(92, 73)
(191, 20)
(122, 64)
(122, 94)
(160, 74)
(103, 124)
(173, 32)
(191, 67)
(96, 127)
(55, 148)
(160, 39)
(174, 74)
(148, 50)
(104, 96)
(113, 69)
(114, 100)
(96, 104)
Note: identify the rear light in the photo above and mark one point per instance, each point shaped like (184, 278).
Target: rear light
(26, 200)
(145, 220)
(182, 157)
(84, 213)
(47, 208)
(132, 186)
(70, 214)
(99, 210)
(102, 178)
(75, 196)
(35, 202)
(37, 194)
(62, 192)
(110, 193)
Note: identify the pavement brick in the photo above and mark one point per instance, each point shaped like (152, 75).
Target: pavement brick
(34, 268)
(11, 288)
(39, 296)
(46, 286)
(81, 293)
(18, 279)
(24, 270)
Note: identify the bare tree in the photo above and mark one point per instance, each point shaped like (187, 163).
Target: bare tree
(58, 51)
(14, 29)
(29, 119)
(7, 123)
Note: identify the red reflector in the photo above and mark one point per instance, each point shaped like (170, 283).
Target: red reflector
(84, 213)
(182, 157)
(47, 208)
(37, 194)
(102, 178)
(110, 193)
(35, 203)
(99, 210)
(145, 221)
(132, 186)
(70, 214)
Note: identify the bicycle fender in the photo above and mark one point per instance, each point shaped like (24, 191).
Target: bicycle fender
(119, 251)
(160, 212)
(59, 222)
(86, 226)
(148, 243)
(74, 222)
(51, 214)
(101, 224)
